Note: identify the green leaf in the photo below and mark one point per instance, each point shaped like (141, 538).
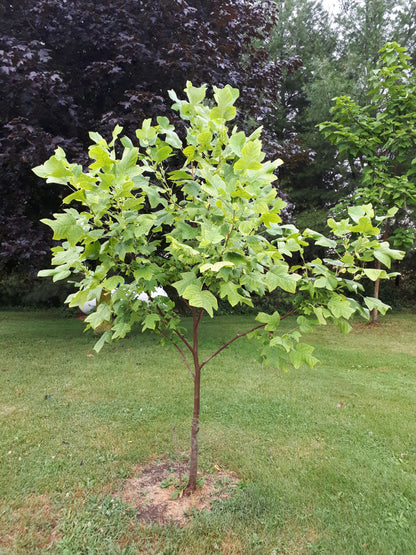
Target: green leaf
(272, 321)
(54, 168)
(97, 138)
(185, 253)
(251, 155)
(383, 258)
(195, 94)
(340, 229)
(340, 307)
(236, 258)
(145, 272)
(170, 136)
(229, 290)
(175, 494)
(65, 226)
(47, 273)
(121, 329)
(112, 282)
(144, 224)
(105, 338)
(216, 267)
(270, 218)
(373, 303)
(188, 278)
(356, 213)
(302, 354)
(237, 141)
(344, 326)
(225, 99)
(279, 276)
(102, 314)
(326, 282)
(150, 322)
(325, 242)
(247, 226)
(211, 235)
(201, 298)
(101, 156)
(161, 153)
(147, 133)
(61, 274)
(366, 227)
(305, 324)
(319, 313)
(374, 274)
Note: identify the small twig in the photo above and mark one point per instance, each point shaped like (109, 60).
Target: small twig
(181, 337)
(180, 352)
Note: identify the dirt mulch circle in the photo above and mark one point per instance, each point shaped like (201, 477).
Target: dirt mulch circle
(155, 505)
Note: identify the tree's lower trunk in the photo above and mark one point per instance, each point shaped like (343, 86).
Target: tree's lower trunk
(374, 318)
(193, 467)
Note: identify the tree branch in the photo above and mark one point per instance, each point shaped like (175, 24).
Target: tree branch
(180, 352)
(181, 337)
(242, 335)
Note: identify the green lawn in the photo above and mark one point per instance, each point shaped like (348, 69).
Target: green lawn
(326, 457)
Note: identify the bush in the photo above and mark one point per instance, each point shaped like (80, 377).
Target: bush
(23, 291)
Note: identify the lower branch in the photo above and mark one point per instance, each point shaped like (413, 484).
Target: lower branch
(180, 352)
(241, 335)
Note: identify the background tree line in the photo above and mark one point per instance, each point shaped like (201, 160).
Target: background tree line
(68, 68)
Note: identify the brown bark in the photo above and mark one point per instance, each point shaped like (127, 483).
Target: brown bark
(193, 466)
(374, 319)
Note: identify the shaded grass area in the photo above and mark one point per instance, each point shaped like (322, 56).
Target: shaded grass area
(326, 457)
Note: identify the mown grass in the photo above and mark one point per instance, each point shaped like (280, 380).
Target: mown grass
(326, 457)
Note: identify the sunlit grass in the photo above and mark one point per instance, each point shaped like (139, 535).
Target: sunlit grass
(326, 457)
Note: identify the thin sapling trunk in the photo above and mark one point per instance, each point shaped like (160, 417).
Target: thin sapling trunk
(196, 375)
(376, 292)
(193, 466)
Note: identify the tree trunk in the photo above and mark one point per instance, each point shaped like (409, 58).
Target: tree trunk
(193, 466)
(374, 318)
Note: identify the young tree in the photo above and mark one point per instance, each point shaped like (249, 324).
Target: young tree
(378, 141)
(214, 232)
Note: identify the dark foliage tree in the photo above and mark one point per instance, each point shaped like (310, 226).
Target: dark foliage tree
(69, 67)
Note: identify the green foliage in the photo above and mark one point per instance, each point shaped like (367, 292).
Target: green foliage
(379, 142)
(214, 233)
(339, 50)
(379, 139)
